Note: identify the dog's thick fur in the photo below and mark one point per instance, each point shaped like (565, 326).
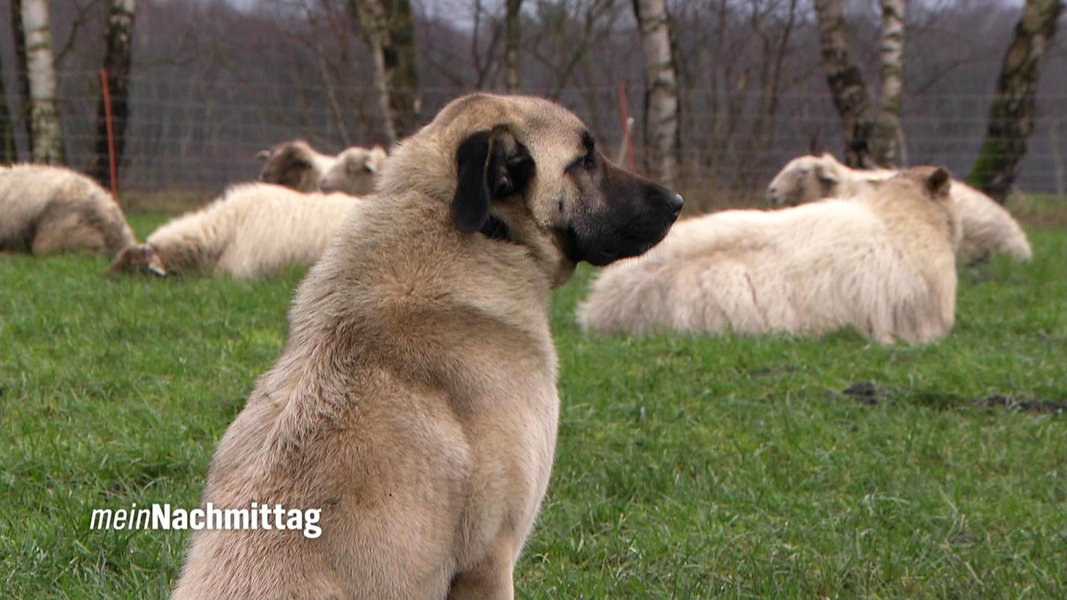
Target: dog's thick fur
(294, 164)
(882, 263)
(987, 226)
(252, 230)
(415, 401)
(47, 210)
(355, 172)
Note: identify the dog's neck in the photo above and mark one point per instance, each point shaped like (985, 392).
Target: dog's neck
(495, 229)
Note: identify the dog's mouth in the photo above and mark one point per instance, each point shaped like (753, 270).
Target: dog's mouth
(632, 240)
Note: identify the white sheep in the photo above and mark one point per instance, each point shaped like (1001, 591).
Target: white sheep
(987, 226)
(252, 230)
(355, 171)
(47, 210)
(882, 263)
(294, 164)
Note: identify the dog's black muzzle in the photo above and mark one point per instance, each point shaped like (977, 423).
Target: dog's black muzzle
(635, 215)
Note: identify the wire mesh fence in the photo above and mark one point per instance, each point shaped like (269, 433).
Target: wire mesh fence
(199, 133)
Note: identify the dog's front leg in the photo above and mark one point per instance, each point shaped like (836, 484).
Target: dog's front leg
(491, 579)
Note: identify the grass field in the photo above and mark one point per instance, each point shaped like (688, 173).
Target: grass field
(687, 467)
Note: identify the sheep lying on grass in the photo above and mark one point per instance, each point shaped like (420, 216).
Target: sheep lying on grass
(252, 230)
(294, 164)
(882, 263)
(355, 171)
(987, 226)
(47, 210)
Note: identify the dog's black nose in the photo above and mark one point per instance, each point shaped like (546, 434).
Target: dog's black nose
(675, 202)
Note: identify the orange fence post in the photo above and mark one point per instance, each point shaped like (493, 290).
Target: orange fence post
(114, 171)
(627, 126)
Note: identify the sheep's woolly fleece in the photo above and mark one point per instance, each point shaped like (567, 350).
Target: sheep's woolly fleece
(253, 230)
(883, 264)
(47, 210)
(987, 226)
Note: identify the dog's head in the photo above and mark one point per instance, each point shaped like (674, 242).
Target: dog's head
(520, 167)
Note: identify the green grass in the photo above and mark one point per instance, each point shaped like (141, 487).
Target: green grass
(687, 467)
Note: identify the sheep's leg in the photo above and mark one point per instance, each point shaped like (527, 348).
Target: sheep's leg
(64, 234)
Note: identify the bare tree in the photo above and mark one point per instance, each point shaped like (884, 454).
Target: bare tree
(7, 128)
(512, 40)
(888, 143)
(773, 40)
(47, 134)
(846, 82)
(661, 90)
(1011, 116)
(1059, 166)
(484, 67)
(566, 35)
(118, 40)
(329, 24)
(21, 72)
(389, 29)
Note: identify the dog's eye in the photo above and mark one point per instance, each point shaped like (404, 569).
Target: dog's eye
(588, 160)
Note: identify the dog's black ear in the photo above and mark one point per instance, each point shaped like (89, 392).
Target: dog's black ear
(490, 164)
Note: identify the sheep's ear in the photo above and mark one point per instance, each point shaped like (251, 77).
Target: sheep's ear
(939, 182)
(375, 159)
(490, 165)
(830, 159)
(826, 175)
(263, 154)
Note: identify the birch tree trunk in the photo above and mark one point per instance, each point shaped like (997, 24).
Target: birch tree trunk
(47, 135)
(389, 29)
(117, 59)
(512, 40)
(1011, 116)
(846, 82)
(372, 20)
(888, 146)
(661, 91)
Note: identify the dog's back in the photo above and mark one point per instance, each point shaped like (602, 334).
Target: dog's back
(374, 403)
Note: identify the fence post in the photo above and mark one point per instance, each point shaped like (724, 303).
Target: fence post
(626, 146)
(112, 166)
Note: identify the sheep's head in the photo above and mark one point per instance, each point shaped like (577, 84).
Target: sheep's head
(805, 179)
(925, 189)
(138, 258)
(294, 164)
(355, 172)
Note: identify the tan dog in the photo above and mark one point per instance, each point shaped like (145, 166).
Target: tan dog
(415, 402)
